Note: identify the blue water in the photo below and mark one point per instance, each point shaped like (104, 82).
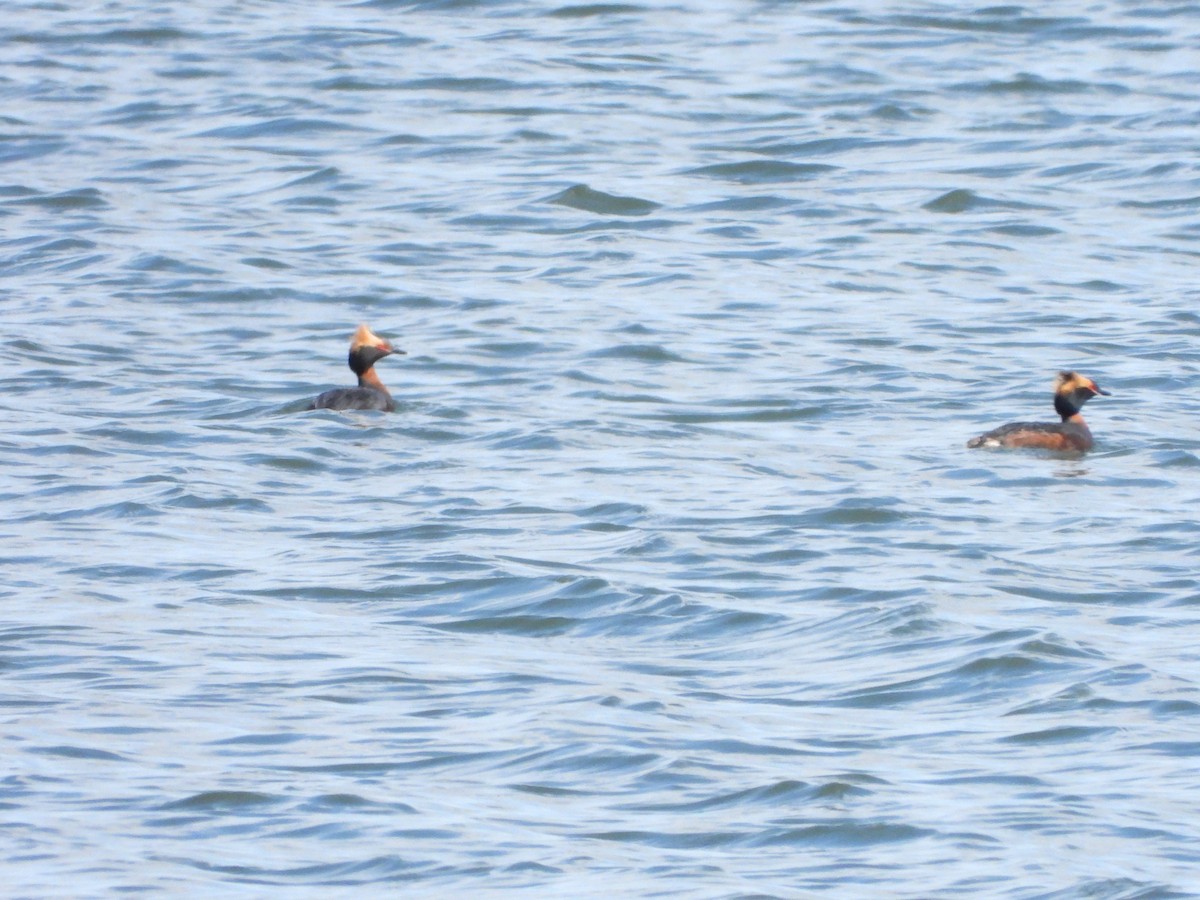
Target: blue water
(672, 574)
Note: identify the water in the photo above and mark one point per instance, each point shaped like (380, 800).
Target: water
(671, 575)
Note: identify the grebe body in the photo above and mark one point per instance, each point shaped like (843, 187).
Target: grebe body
(1071, 435)
(366, 349)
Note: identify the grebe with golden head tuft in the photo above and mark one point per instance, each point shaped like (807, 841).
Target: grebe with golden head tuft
(1071, 391)
(366, 349)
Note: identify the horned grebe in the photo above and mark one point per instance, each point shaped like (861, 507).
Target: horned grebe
(1071, 391)
(366, 349)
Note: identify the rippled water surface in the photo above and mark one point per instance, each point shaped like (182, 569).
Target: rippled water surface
(671, 575)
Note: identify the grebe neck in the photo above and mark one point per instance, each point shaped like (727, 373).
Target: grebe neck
(370, 380)
(1064, 407)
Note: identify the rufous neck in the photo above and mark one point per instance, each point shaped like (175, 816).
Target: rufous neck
(371, 380)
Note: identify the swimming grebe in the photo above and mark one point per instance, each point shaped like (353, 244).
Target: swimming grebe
(366, 349)
(1071, 391)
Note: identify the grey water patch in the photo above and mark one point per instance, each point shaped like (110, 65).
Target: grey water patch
(65, 201)
(763, 171)
(587, 199)
(1027, 83)
(290, 126)
(639, 352)
(961, 200)
(589, 10)
(1025, 230)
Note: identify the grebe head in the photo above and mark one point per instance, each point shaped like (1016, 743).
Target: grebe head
(1072, 390)
(367, 348)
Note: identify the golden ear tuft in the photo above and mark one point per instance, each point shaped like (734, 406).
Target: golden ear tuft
(365, 337)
